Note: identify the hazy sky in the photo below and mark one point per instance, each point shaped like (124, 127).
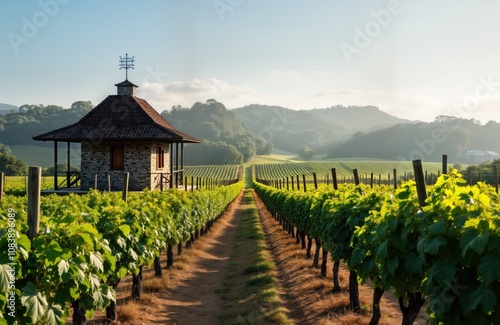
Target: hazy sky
(414, 59)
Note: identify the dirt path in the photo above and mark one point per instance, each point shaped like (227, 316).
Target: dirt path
(195, 291)
(192, 297)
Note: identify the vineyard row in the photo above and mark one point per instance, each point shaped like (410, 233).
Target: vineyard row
(87, 243)
(445, 252)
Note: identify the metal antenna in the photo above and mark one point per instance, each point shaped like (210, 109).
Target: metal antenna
(126, 63)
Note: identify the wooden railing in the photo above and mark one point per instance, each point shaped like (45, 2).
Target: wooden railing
(71, 180)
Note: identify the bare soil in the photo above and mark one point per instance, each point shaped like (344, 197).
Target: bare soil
(192, 291)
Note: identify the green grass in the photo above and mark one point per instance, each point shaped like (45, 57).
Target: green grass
(250, 294)
(34, 155)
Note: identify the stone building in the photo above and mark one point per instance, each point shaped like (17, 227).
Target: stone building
(122, 134)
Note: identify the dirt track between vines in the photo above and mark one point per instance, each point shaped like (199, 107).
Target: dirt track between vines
(191, 291)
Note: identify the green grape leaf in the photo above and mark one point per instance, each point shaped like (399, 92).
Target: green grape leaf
(413, 264)
(125, 229)
(382, 250)
(442, 272)
(54, 315)
(437, 228)
(87, 238)
(24, 245)
(5, 272)
(392, 265)
(489, 268)
(53, 253)
(96, 261)
(431, 245)
(472, 240)
(35, 303)
(94, 281)
(62, 267)
(122, 243)
(484, 296)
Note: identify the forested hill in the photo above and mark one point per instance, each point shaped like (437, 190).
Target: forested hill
(446, 135)
(19, 126)
(225, 139)
(6, 108)
(317, 128)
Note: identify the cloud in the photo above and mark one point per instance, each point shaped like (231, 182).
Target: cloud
(337, 92)
(186, 93)
(286, 73)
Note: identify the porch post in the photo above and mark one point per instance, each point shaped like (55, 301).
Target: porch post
(171, 164)
(55, 165)
(68, 171)
(177, 164)
(182, 162)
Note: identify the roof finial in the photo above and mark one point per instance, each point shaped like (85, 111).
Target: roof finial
(126, 63)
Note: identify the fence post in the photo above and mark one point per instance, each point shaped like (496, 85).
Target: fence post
(298, 183)
(95, 182)
(287, 184)
(315, 181)
(34, 178)
(445, 164)
(356, 176)
(293, 185)
(334, 179)
(371, 180)
(109, 183)
(304, 180)
(395, 178)
(125, 186)
(418, 170)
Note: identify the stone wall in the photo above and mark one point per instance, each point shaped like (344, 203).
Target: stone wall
(139, 161)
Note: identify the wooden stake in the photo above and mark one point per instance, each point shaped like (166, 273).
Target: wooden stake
(34, 180)
(418, 170)
(445, 164)
(356, 176)
(395, 178)
(125, 186)
(334, 179)
(315, 181)
(304, 180)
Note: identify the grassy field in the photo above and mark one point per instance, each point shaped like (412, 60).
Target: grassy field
(34, 155)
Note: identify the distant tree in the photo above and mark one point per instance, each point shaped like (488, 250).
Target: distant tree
(9, 164)
(49, 171)
(82, 106)
(306, 153)
(212, 153)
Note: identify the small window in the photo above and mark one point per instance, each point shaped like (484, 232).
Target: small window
(117, 158)
(160, 158)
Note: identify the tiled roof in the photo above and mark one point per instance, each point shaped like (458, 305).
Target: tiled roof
(119, 117)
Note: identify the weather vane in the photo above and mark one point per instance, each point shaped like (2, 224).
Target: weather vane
(126, 63)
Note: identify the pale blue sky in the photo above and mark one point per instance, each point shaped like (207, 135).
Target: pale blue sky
(412, 58)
